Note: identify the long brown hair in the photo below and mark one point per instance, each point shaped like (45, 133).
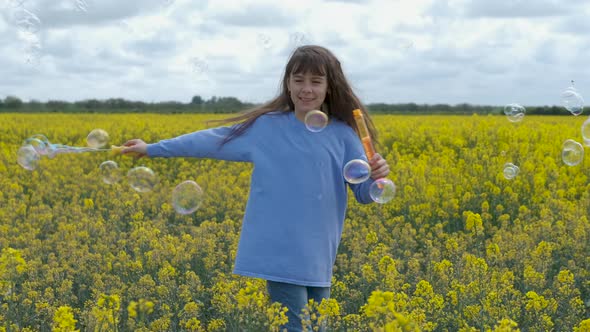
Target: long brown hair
(340, 99)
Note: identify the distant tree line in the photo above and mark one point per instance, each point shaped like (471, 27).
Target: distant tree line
(231, 105)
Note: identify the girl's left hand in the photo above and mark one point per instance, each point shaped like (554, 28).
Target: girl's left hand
(379, 167)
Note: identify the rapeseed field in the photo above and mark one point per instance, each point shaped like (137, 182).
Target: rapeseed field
(460, 247)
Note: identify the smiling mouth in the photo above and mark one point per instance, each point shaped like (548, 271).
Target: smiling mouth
(306, 100)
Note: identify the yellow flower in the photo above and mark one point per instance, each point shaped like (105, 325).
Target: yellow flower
(63, 320)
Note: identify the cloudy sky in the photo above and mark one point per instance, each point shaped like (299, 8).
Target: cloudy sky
(393, 51)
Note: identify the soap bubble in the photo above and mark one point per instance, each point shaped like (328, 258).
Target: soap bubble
(142, 179)
(264, 40)
(81, 5)
(510, 171)
(572, 152)
(125, 25)
(356, 171)
(299, 38)
(97, 138)
(586, 132)
(187, 197)
(16, 3)
(315, 121)
(382, 190)
(199, 66)
(402, 44)
(26, 21)
(27, 157)
(167, 3)
(572, 101)
(32, 53)
(110, 172)
(40, 143)
(514, 112)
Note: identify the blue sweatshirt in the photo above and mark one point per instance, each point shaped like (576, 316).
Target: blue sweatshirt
(298, 196)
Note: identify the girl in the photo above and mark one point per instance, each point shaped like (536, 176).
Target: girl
(297, 203)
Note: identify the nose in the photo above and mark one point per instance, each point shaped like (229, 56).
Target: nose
(306, 88)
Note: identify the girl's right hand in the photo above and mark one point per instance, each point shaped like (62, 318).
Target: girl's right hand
(136, 147)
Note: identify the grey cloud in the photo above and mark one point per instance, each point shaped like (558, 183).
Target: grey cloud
(70, 56)
(442, 9)
(87, 68)
(488, 57)
(87, 55)
(254, 15)
(17, 75)
(208, 29)
(574, 24)
(69, 13)
(161, 44)
(516, 8)
(356, 2)
(335, 39)
(502, 9)
(97, 14)
(547, 53)
(61, 47)
(450, 54)
(492, 67)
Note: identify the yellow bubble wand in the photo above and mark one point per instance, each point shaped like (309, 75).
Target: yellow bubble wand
(118, 150)
(363, 133)
(383, 189)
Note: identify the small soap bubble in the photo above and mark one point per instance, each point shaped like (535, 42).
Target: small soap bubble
(572, 101)
(403, 44)
(142, 179)
(315, 121)
(572, 153)
(16, 3)
(81, 5)
(586, 132)
(514, 112)
(27, 157)
(167, 3)
(26, 21)
(199, 66)
(510, 171)
(40, 143)
(97, 138)
(125, 25)
(187, 197)
(382, 190)
(356, 171)
(299, 38)
(264, 40)
(110, 172)
(32, 53)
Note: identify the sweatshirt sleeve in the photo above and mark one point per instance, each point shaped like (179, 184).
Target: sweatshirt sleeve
(206, 144)
(354, 150)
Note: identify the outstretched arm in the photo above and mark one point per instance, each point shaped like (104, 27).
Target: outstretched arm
(200, 144)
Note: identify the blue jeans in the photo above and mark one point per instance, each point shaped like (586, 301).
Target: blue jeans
(295, 297)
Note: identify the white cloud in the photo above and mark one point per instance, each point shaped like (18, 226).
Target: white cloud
(517, 8)
(423, 51)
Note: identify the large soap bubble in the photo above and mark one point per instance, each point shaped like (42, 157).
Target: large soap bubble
(356, 171)
(142, 179)
(187, 197)
(382, 190)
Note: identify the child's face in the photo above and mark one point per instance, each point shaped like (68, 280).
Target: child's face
(307, 91)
